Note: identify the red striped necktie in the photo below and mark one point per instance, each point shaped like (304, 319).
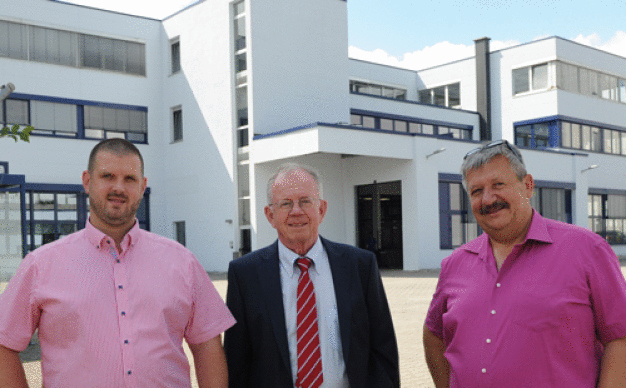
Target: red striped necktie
(309, 354)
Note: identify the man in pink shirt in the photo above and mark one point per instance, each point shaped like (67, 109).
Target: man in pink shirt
(112, 302)
(531, 302)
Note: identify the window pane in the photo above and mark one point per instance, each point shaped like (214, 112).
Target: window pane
(94, 133)
(415, 128)
(542, 134)
(178, 124)
(42, 115)
(108, 115)
(386, 124)
(122, 119)
(38, 44)
(621, 86)
(119, 56)
(175, 57)
(16, 111)
(576, 136)
(355, 119)
(454, 95)
(520, 81)
(523, 135)
(586, 137)
(567, 77)
(91, 51)
(427, 129)
(616, 142)
(439, 96)
(240, 34)
(540, 77)
(596, 139)
(17, 41)
(369, 122)
(608, 141)
(424, 96)
(400, 126)
(136, 58)
(240, 62)
(623, 135)
(68, 42)
(616, 206)
(566, 134)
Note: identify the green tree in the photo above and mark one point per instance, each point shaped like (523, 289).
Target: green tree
(16, 133)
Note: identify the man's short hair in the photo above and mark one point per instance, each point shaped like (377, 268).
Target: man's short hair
(480, 156)
(289, 167)
(118, 147)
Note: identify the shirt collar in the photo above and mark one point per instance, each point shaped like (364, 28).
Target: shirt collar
(99, 239)
(287, 257)
(537, 231)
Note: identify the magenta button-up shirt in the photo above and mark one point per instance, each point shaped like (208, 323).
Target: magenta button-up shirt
(112, 319)
(540, 320)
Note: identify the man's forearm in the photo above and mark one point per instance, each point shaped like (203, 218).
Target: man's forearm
(11, 370)
(434, 348)
(613, 366)
(210, 363)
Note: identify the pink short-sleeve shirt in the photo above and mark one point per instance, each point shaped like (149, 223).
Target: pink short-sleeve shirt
(108, 318)
(538, 322)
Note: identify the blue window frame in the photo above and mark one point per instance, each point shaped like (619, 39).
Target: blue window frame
(79, 119)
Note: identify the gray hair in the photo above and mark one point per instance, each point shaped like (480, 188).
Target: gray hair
(286, 168)
(478, 157)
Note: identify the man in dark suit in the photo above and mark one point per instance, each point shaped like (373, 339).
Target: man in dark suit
(353, 331)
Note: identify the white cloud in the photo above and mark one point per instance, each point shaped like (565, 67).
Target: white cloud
(446, 52)
(616, 44)
(439, 53)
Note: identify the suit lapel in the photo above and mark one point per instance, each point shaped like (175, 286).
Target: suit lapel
(269, 279)
(342, 280)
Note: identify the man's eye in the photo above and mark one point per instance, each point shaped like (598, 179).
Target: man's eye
(305, 201)
(285, 205)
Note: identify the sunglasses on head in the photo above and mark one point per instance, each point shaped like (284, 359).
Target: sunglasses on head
(495, 143)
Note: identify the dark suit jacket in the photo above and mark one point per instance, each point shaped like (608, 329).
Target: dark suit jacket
(256, 346)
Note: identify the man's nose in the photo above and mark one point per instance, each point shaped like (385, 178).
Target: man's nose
(296, 208)
(488, 196)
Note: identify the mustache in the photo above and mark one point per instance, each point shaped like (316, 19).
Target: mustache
(494, 207)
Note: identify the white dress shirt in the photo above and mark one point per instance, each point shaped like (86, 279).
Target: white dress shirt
(333, 366)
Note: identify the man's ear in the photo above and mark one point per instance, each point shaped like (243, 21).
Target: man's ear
(86, 177)
(529, 185)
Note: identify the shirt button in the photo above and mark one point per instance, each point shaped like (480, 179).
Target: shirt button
(130, 372)
(498, 285)
(488, 340)
(493, 312)
(484, 370)
(117, 260)
(120, 287)
(123, 313)
(126, 342)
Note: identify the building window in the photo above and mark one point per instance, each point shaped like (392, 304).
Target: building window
(446, 95)
(175, 55)
(87, 120)
(177, 124)
(456, 220)
(105, 123)
(607, 216)
(179, 229)
(590, 82)
(404, 125)
(59, 47)
(530, 78)
(593, 138)
(377, 90)
(537, 135)
(553, 203)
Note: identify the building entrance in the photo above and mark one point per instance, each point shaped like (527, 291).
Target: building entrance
(379, 222)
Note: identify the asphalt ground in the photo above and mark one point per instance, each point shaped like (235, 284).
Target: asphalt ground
(409, 294)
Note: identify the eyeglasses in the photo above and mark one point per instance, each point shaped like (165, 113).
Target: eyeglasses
(492, 145)
(305, 203)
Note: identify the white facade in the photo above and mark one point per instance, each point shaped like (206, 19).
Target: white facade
(263, 83)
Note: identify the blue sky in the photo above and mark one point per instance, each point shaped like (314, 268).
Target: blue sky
(421, 33)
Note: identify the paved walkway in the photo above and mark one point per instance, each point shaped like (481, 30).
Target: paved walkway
(409, 295)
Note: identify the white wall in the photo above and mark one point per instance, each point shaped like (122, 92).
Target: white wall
(198, 171)
(298, 64)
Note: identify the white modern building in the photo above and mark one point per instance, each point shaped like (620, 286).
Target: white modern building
(219, 94)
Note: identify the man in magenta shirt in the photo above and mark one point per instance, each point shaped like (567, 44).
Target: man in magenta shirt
(113, 302)
(531, 302)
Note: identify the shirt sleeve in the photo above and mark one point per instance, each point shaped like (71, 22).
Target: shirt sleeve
(210, 315)
(19, 316)
(434, 317)
(608, 293)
